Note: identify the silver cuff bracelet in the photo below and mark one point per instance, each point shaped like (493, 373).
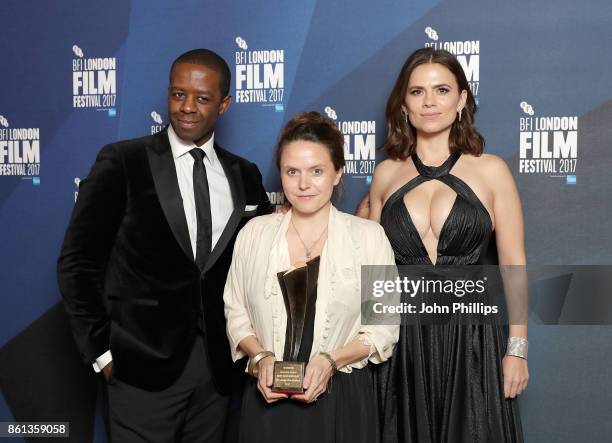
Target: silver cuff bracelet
(517, 347)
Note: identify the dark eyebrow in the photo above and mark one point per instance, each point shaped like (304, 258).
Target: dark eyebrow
(198, 91)
(435, 86)
(312, 167)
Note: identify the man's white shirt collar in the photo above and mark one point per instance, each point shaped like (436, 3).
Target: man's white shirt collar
(181, 147)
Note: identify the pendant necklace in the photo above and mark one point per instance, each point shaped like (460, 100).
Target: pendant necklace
(308, 251)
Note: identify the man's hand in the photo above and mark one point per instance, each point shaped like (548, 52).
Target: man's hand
(106, 370)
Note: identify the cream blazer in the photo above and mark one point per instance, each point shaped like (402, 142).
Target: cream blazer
(254, 302)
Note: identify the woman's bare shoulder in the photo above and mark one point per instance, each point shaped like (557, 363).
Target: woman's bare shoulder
(487, 163)
(389, 164)
(492, 168)
(384, 171)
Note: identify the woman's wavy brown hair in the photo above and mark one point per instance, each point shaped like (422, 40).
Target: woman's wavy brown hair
(401, 136)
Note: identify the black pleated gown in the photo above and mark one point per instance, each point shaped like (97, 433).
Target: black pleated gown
(444, 382)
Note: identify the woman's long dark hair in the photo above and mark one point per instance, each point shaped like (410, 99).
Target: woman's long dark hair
(401, 136)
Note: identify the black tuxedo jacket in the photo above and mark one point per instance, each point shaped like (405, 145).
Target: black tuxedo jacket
(126, 269)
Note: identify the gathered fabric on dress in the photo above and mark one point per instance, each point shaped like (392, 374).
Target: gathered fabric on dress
(444, 382)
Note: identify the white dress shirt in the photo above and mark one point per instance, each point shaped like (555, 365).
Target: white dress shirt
(221, 203)
(254, 303)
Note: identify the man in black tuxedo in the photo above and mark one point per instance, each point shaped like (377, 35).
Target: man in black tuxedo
(145, 258)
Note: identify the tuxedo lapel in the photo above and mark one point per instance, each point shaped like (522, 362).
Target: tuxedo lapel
(233, 172)
(167, 188)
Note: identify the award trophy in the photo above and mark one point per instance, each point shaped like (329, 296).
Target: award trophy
(299, 288)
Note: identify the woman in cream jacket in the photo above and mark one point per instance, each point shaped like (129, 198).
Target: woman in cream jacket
(323, 250)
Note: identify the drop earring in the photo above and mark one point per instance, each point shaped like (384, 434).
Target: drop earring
(459, 112)
(405, 115)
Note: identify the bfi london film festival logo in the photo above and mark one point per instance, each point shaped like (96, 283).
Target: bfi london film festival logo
(277, 198)
(260, 76)
(467, 53)
(94, 82)
(359, 145)
(159, 122)
(548, 144)
(19, 152)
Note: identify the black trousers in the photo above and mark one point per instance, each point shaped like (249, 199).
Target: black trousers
(191, 410)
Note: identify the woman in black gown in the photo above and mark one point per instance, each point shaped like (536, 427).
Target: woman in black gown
(440, 200)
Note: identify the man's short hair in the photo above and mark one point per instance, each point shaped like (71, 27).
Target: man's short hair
(210, 59)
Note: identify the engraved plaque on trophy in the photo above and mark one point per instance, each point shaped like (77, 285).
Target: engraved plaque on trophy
(288, 377)
(299, 293)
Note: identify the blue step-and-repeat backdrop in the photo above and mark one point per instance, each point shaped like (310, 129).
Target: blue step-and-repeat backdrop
(77, 75)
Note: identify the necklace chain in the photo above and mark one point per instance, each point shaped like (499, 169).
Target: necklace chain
(307, 250)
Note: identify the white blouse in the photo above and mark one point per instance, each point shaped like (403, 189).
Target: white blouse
(254, 303)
